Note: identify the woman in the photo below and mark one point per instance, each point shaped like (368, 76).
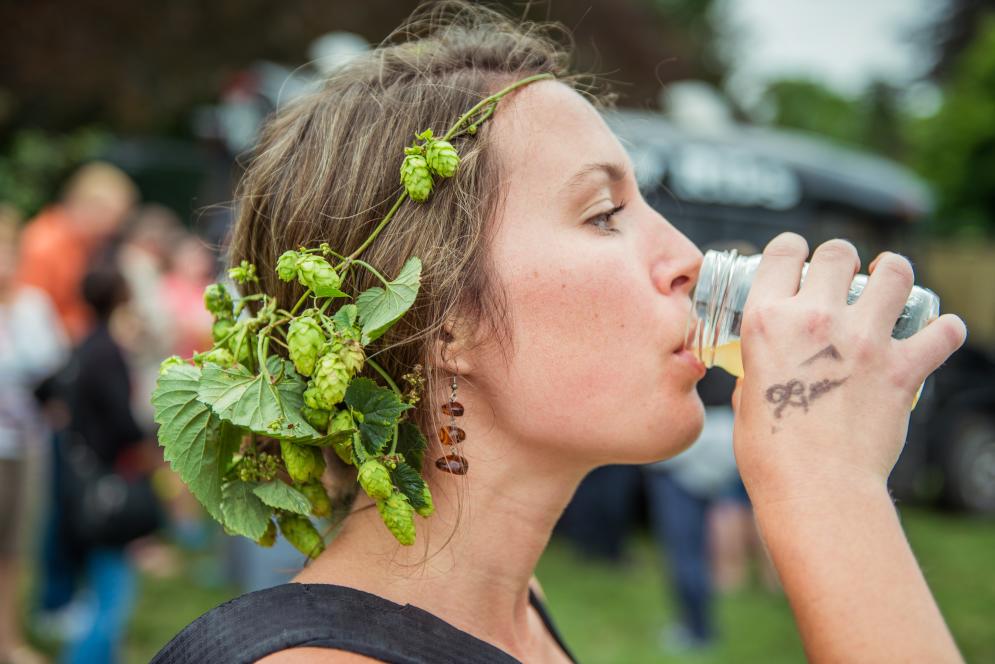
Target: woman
(558, 298)
(101, 422)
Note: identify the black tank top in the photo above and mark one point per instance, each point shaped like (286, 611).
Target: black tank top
(293, 615)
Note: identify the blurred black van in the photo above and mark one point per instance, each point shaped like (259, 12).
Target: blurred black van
(747, 184)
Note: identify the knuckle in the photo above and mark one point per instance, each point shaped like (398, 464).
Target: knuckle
(818, 323)
(896, 267)
(865, 348)
(787, 245)
(838, 250)
(758, 319)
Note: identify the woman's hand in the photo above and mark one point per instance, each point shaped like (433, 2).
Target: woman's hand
(827, 393)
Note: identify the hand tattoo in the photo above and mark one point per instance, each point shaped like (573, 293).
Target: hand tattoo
(793, 393)
(829, 352)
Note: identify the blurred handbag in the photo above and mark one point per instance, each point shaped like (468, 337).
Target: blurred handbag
(105, 508)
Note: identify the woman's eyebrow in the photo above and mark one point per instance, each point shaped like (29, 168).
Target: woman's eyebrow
(614, 171)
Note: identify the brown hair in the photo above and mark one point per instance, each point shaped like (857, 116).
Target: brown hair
(326, 170)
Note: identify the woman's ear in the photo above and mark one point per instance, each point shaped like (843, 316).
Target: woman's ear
(452, 351)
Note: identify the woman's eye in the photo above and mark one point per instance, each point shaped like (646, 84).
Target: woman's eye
(604, 222)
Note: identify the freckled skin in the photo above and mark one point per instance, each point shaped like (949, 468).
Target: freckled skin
(596, 317)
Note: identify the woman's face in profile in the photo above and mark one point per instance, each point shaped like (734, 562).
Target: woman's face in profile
(598, 287)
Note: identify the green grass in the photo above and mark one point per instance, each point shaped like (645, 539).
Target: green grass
(610, 614)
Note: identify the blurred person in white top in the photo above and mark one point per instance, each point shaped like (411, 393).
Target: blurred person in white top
(32, 346)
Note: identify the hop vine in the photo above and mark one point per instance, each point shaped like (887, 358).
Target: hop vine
(245, 429)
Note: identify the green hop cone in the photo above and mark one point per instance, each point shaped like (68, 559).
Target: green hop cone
(311, 397)
(218, 301)
(304, 463)
(222, 328)
(269, 537)
(220, 356)
(428, 508)
(331, 378)
(241, 344)
(315, 273)
(305, 339)
(286, 265)
(442, 158)
(375, 480)
(316, 417)
(300, 532)
(342, 421)
(399, 518)
(352, 355)
(321, 506)
(343, 448)
(416, 178)
(171, 361)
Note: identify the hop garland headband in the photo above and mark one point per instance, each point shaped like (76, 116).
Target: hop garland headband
(245, 429)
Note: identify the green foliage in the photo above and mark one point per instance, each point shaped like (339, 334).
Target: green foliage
(256, 403)
(280, 495)
(380, 409)
(301, 533)
(190, 435)
(33, 164)
(410, 483)
(244, 512)
(412, 444)
(956, 146)
(220, 425)
(379, 308)
(399, 517)
(810, 106)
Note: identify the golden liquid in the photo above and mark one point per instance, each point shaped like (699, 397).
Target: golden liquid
(729, 356)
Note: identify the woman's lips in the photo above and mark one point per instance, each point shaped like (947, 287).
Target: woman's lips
(687, 357)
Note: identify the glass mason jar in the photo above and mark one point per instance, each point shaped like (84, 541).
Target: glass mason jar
(717, 308)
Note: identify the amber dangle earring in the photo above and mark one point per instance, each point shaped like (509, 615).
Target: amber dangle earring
(451, 435)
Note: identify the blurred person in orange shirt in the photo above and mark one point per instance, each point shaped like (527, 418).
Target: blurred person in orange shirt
(32, 345)
(57, 245)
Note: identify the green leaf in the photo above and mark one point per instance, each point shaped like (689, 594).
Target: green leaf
(192, 439)
(410, 483)
(412, 444)
(251, 401)
(279, 494)
(345, 318)
(380, 308)
(245, 514)
(380, 409)
(359, 452)
(230, 442)
(329, 440)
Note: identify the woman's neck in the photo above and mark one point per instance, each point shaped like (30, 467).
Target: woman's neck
(477, 581)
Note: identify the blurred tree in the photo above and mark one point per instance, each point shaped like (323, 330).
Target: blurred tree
(811, 106)
(953, 30)
(955, 148)
(141, 66)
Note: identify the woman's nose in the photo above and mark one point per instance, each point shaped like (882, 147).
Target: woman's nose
(676, 269)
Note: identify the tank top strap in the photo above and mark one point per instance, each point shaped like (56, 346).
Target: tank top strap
(292, 615)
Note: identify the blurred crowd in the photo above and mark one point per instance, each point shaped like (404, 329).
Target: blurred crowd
(94, 292)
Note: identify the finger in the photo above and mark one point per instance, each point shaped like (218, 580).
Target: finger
(931, 346)
(737, 395)
(886, 292)
(829, 274)
(780, 269)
